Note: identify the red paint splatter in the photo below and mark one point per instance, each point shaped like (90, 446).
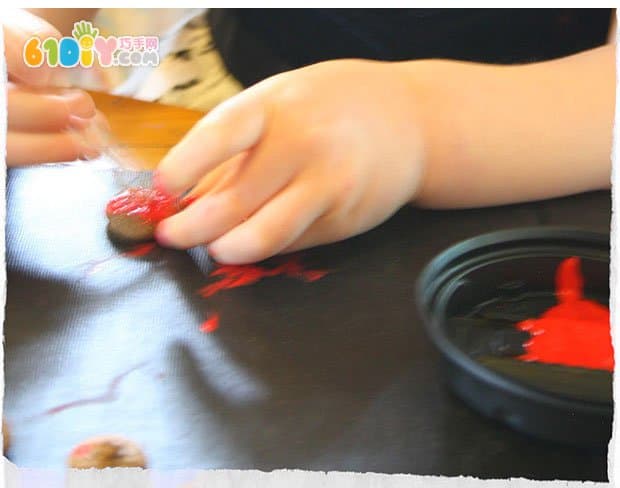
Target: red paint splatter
(137, 251)
(149, 204)
(575, 332)
(94, 266)
(314, 275)
(234, 276)
(211, 324)
(82, 450)
(141, 250)
(109, 395)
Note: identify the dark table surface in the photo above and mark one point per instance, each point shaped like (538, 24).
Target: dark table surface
(336, 374)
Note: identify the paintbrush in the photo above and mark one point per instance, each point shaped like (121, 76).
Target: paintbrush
(110, 153)
(130, 171)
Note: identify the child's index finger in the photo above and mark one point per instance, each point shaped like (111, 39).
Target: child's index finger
(231, 128)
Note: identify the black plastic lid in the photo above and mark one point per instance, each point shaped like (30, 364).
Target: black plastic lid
(471, 297)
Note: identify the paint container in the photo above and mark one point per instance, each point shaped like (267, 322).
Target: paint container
(472, 295)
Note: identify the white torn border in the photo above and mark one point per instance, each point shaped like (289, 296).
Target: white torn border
(14, 477)
(3, 121)
(612, 453)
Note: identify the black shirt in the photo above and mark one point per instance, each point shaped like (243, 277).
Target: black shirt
(257, 43)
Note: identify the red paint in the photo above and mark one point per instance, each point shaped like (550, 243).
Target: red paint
(95, 266)
(137, 251)
(150, 205)
(141, 250)
(314, 275)
(157, 182)
(234, 276)
(569, 281)
(187, 201)
(211, 324)
(82, 450)
(108, 396)
(575, 332)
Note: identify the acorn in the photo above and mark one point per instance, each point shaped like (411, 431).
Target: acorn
(134, 214)
(108, 451)
(6, 436)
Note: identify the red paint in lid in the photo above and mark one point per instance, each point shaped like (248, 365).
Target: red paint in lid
(575, 332)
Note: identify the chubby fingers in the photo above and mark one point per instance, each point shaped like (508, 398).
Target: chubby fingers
(277, 225)
(220, 177)
(268, 170)
(231, 128)
(27, 148)
(33, 110)
(322, 231)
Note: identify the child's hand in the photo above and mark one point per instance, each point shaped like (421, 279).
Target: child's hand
(304, 158)
(44, 124)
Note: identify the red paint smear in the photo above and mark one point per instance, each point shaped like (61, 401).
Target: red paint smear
(211, 324)
(109, 395)
(82, 450)
(569, 281)
(138, 251)
(150, 205)
(314, 275)
(576, 332)
(234, 276)
(187, 201)
(141, 250)
(157, 184)
(94, 266)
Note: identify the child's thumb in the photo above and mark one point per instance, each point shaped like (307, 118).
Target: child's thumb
(19, 27)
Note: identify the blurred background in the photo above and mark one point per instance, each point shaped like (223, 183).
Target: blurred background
(190, 74)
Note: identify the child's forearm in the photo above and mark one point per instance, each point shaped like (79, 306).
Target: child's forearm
(498, 135)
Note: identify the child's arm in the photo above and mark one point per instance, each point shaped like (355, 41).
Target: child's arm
(507, 134)
(328, 151)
